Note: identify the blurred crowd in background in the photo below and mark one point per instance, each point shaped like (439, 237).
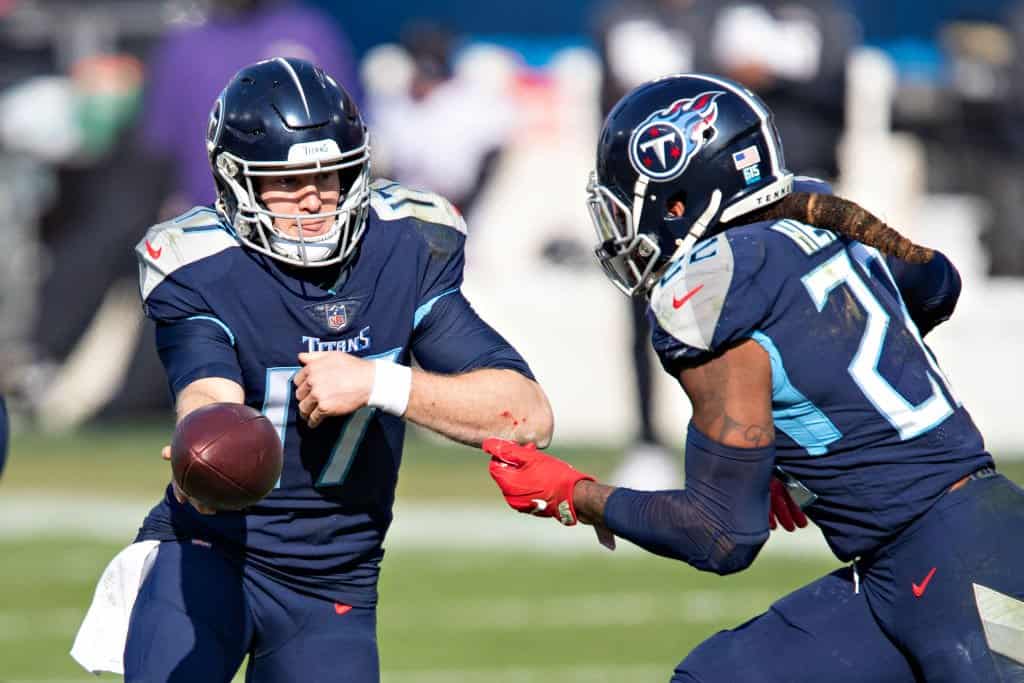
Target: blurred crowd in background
(104, 104)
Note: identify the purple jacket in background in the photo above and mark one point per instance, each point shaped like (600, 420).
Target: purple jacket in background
(192, 65)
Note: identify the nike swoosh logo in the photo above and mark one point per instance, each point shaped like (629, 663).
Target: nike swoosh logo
(539, 505)
(919, 590)
(678, 303)
(153, 253)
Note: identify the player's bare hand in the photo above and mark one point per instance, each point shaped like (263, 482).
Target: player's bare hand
(332, 383)
(784, 509)
(183, 498)
(165, 453)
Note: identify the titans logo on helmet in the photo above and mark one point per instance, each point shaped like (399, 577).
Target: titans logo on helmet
(662, 146)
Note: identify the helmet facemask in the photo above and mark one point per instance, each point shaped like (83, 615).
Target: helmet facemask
(255, 223)
(630, 258)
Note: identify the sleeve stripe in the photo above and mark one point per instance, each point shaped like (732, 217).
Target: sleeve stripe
(219, 322)
(424, 310)
(193, 213)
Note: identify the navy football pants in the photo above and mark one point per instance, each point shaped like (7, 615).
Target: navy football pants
(198, 616)
(909, 623)
(821, 632)
(922, 587)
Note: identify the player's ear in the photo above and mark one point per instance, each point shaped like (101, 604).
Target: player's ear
(675, 205)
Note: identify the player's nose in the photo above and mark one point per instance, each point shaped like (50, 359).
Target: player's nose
(311, 201)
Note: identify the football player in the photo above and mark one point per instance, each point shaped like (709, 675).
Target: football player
(306, 292)
(793, 320)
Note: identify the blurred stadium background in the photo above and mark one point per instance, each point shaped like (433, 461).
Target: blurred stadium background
(913, 109)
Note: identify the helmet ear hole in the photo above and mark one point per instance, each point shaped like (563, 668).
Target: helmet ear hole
(675, 205)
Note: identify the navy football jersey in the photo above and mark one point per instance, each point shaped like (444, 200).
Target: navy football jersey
(863, 414)
(222, 310)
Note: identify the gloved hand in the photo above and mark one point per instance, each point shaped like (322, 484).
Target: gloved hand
(533, 481)
(784, 509)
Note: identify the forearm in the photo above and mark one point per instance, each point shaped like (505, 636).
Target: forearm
(206, 391)
(475, 405)
(682, 525)
(589, 499)
(718, 523)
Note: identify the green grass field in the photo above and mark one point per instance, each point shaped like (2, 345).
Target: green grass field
(496, 614)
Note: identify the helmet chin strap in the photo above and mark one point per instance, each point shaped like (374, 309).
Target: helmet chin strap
(699, 227)
(639, 190)
(307, 251)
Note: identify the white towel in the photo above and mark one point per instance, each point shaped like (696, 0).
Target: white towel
(99, 645)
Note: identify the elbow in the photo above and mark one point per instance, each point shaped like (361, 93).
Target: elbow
(732, 555)
(531, 419)
(740, 556)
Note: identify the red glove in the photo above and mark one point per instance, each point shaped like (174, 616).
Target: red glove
(784, 509)
(533, 481)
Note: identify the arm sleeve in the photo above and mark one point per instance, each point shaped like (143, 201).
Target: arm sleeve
(196, 348)
(718, 523)
(930, 290)
(450, 338)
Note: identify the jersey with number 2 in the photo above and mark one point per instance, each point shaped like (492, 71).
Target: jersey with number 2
(222, 310)
(863, 414)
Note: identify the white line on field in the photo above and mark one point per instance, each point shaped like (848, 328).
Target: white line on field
(587, 610)
(417, 526)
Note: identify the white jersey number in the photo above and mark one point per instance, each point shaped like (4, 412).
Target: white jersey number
(907, 419)
(277, 407)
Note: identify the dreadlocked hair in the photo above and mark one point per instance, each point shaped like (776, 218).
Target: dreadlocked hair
(845, 217)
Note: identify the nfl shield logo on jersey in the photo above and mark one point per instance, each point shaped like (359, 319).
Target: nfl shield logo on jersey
(336, 315)
(661, 147)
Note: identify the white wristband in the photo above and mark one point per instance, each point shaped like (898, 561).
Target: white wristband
(392, 384)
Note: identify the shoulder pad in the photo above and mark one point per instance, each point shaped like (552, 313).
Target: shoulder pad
(689, 298)
(186, 239)
(393, 202)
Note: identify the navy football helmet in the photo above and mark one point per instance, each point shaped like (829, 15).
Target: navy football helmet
(702, 140)
(287, 117)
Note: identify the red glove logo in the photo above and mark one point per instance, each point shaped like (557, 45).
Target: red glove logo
(533, 481)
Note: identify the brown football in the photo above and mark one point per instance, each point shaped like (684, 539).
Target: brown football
(226, 455)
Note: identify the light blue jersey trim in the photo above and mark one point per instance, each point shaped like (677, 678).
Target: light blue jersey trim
(424, 310)
(195, 212)
(223, 326)
(391, 354)
(800, 419)
(206, 228)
